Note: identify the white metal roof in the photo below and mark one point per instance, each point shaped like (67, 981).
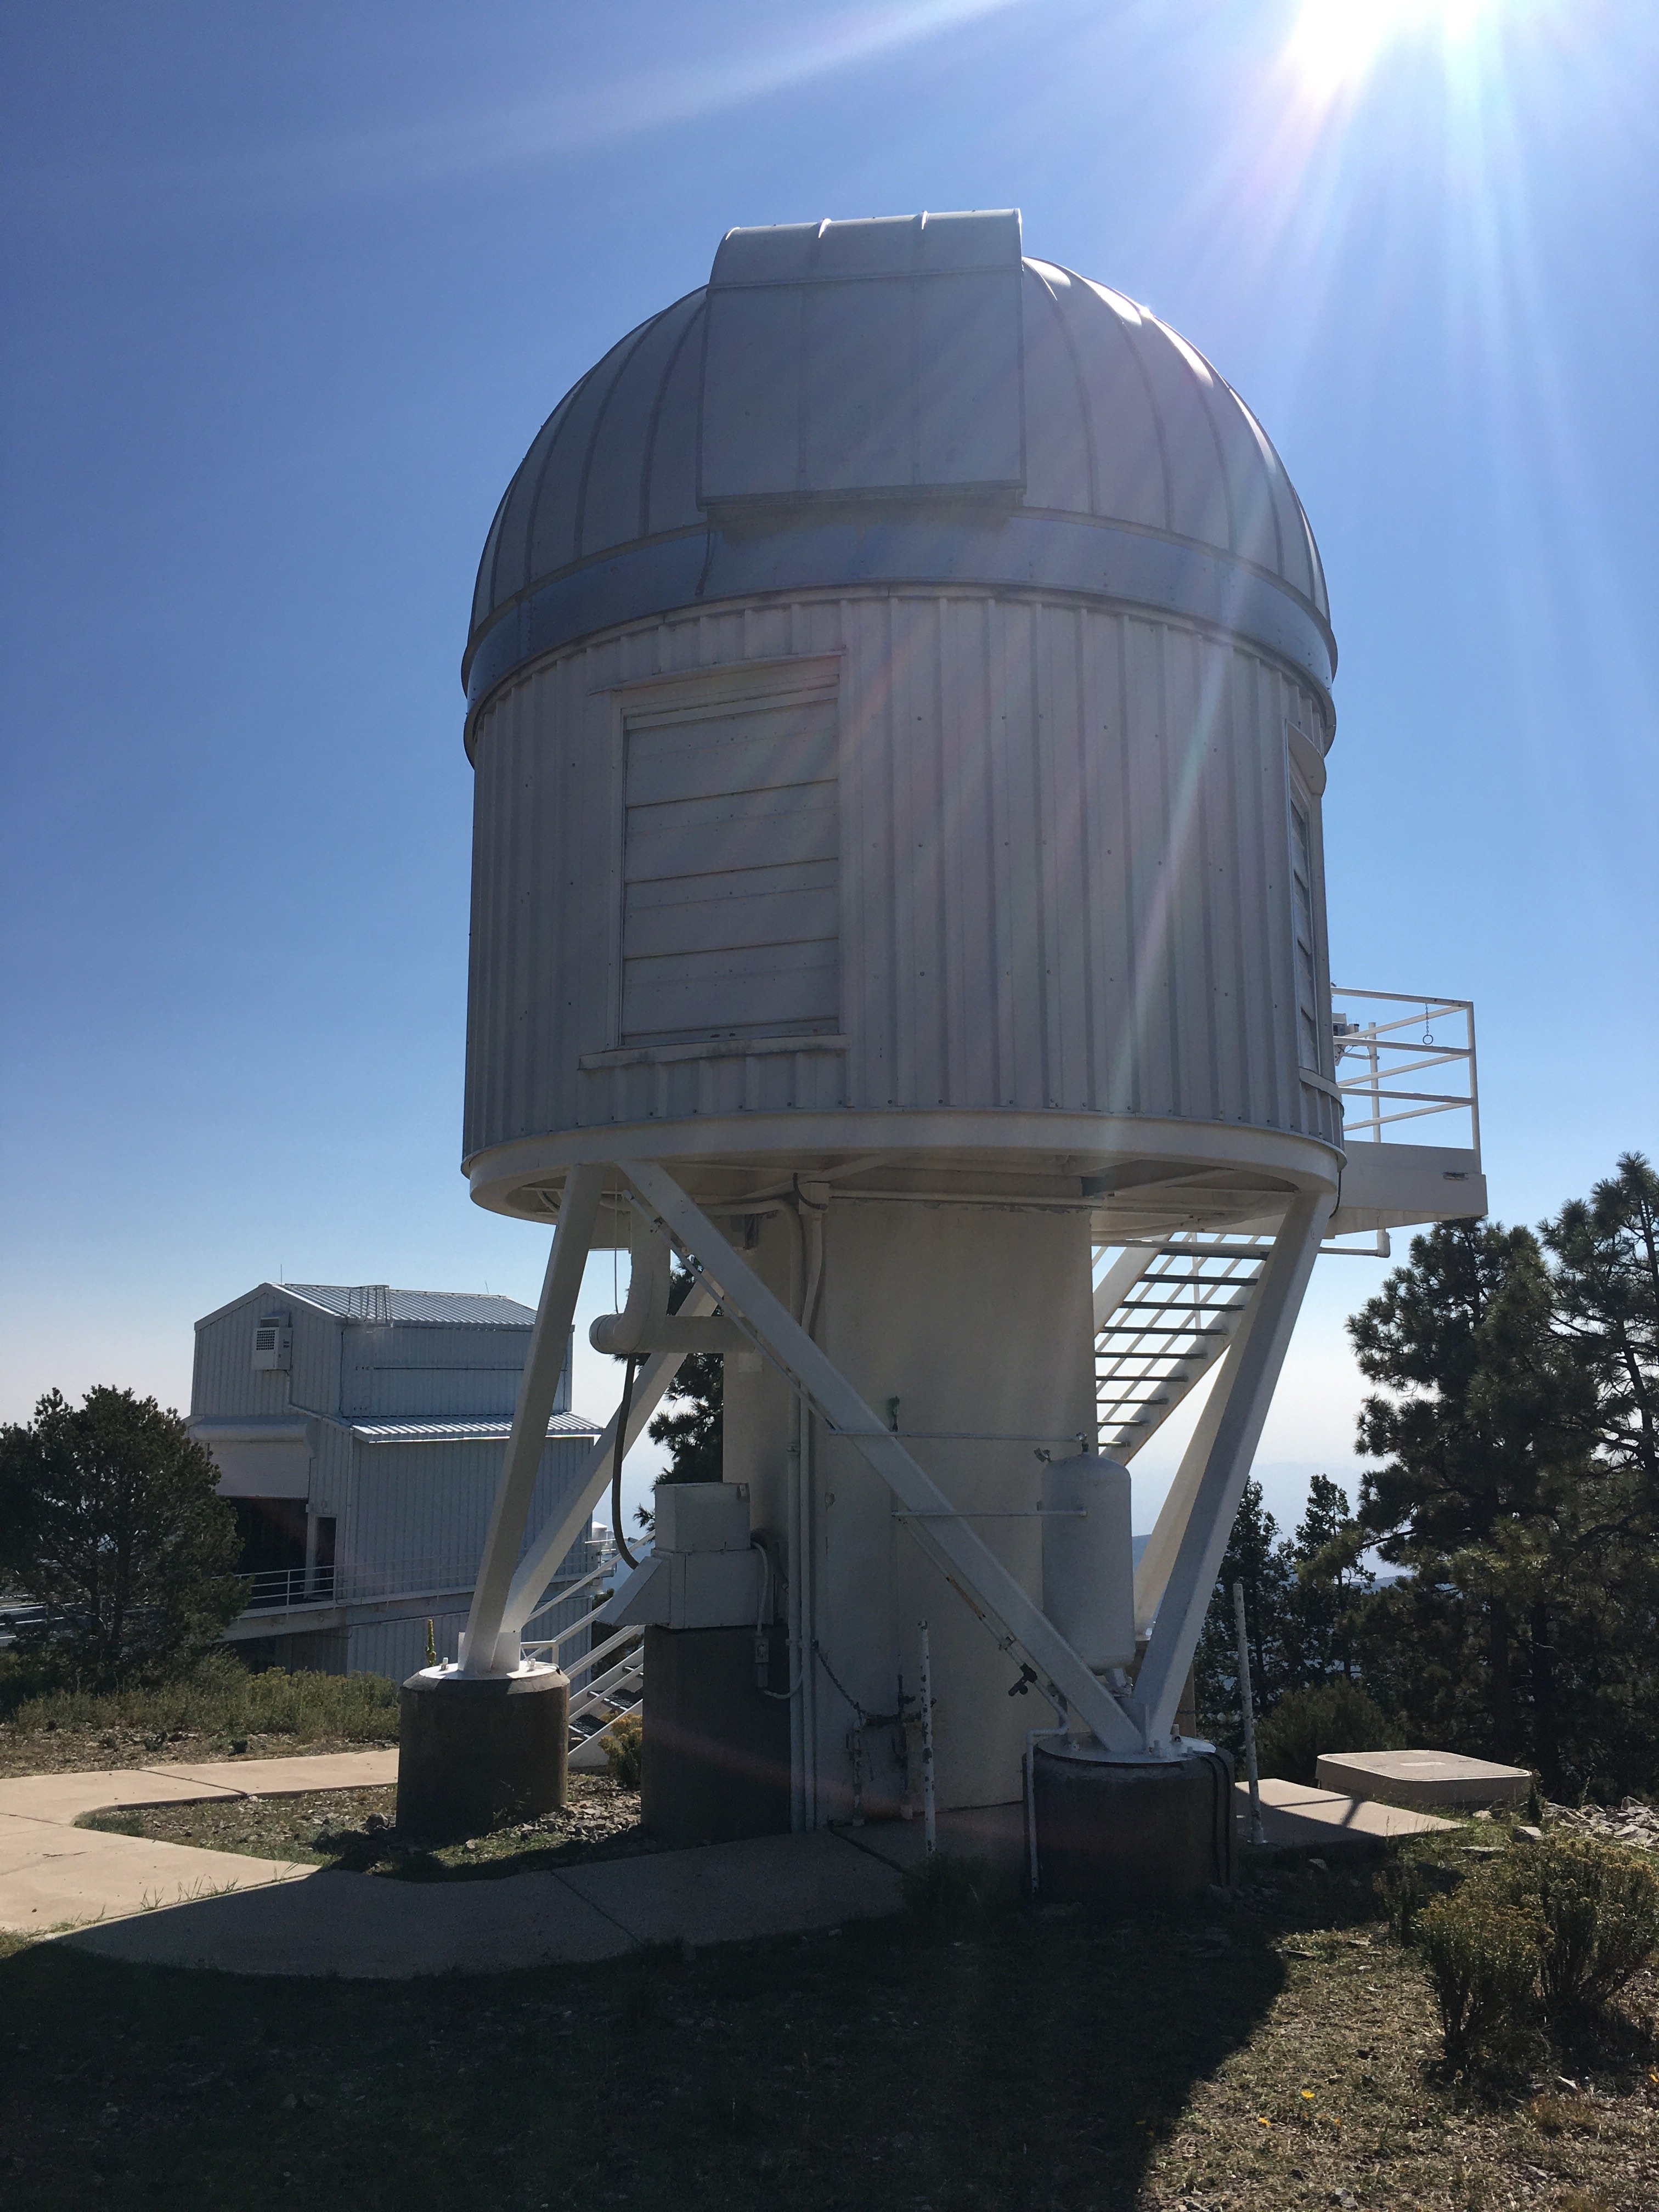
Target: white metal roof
(462, 1432)
(379, 1301)
(888, 372)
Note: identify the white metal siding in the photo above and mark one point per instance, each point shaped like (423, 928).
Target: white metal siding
(404, 1371)
(1063, 875)
(418, 1513)
(731, 919)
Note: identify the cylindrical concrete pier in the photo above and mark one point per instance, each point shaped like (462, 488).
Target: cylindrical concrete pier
(477, 1751)
(1148, 1832)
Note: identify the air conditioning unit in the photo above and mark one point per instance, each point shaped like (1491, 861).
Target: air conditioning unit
(273, 1342)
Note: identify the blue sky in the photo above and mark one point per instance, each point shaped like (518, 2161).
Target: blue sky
(290, 291)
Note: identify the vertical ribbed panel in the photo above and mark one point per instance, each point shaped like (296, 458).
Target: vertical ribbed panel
(418, 1513)
(1064, 878)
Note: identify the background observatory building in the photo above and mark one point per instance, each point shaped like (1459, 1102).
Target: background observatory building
(898, 692)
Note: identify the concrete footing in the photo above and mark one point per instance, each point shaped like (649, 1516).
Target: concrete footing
(715, 1762)
(476, 1751)
(1145, 1831)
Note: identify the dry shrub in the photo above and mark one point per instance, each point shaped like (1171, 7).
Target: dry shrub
(1597, 1905)
(624, 1742)
(1482, 1958)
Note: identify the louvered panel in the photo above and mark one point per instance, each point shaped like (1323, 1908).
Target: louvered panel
(730, 897)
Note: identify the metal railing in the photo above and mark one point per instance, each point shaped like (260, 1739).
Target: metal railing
(1381, 1047)
(277, 1588)
(281, 1586)
(599, 1690)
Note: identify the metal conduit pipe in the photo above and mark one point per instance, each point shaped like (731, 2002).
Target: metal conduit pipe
(795, 1538)
(811, 1216)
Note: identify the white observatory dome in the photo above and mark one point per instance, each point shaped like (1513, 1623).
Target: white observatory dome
(898, 691)
(1126, 465)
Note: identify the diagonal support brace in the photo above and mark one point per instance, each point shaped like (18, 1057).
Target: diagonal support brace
(488, 1649)
(962, 1555)
(651, 1385)
(1253, 1366)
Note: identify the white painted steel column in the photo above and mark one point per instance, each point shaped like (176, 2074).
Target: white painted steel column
(1257, 1356)
(539, 1564)
(490, 1649)
(1153, 1574)
(963, 1557)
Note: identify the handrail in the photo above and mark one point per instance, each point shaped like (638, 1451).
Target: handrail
(277, 1588)
(1385, 1057)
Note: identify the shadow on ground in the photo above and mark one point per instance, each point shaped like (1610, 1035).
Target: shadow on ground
(1027, 2060)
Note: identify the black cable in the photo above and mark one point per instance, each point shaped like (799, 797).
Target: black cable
(626, 1556)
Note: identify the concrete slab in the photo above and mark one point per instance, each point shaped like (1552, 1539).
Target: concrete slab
(292, 1778)
(65, 1798)
(370, 1927)
(1326, 1820)
(53, 1873)
(725, 1892)
(1423, 1778)
(994, 1833)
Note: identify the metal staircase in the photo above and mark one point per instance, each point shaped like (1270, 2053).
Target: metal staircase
(1165, 1314)
(608, 1679)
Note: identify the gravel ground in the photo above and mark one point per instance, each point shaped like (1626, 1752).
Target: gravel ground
(1632, 1822)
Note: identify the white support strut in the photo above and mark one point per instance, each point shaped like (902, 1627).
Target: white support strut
(1253, 1366)
(1153, 1574)
(539, 1564)
(964, 1558)
(489, 1649)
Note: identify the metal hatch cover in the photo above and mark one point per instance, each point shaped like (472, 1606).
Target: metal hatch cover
(881, 356)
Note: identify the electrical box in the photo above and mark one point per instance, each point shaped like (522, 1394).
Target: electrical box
(702, 1517)
(704, 1572)
(273, 1342)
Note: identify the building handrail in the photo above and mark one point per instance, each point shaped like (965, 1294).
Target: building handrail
(1385, 1056)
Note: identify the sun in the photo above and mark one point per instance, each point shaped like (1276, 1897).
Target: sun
(1335, 43)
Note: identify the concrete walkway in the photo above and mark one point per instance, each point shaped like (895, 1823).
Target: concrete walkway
(53, 1874)
(127, 1898)
(374, 1927)
(170, 1905)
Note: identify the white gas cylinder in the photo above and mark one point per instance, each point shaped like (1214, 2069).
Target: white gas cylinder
(1088, 1559)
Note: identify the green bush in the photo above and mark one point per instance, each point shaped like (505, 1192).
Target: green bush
(219, 1697)
(1597, 1905)
(624, 1745)
(1482, 1957)
(1336, 1715)
(1404, 1891)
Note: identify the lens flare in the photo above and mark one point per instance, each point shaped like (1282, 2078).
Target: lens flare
(1335, 43)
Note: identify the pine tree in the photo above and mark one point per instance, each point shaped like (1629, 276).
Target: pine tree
(111, 1521)
(1480, 1429)
(1255, 1557)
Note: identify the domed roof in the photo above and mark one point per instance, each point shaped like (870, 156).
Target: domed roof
(1032, 396)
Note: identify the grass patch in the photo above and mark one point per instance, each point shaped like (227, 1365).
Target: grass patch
(1275, 2054)
(220, 1710)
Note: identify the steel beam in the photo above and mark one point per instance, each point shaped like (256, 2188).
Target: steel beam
(489, 1649)
(1256, 1356)
(1153, 1574)
(541, 1563)
(963, 1557)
